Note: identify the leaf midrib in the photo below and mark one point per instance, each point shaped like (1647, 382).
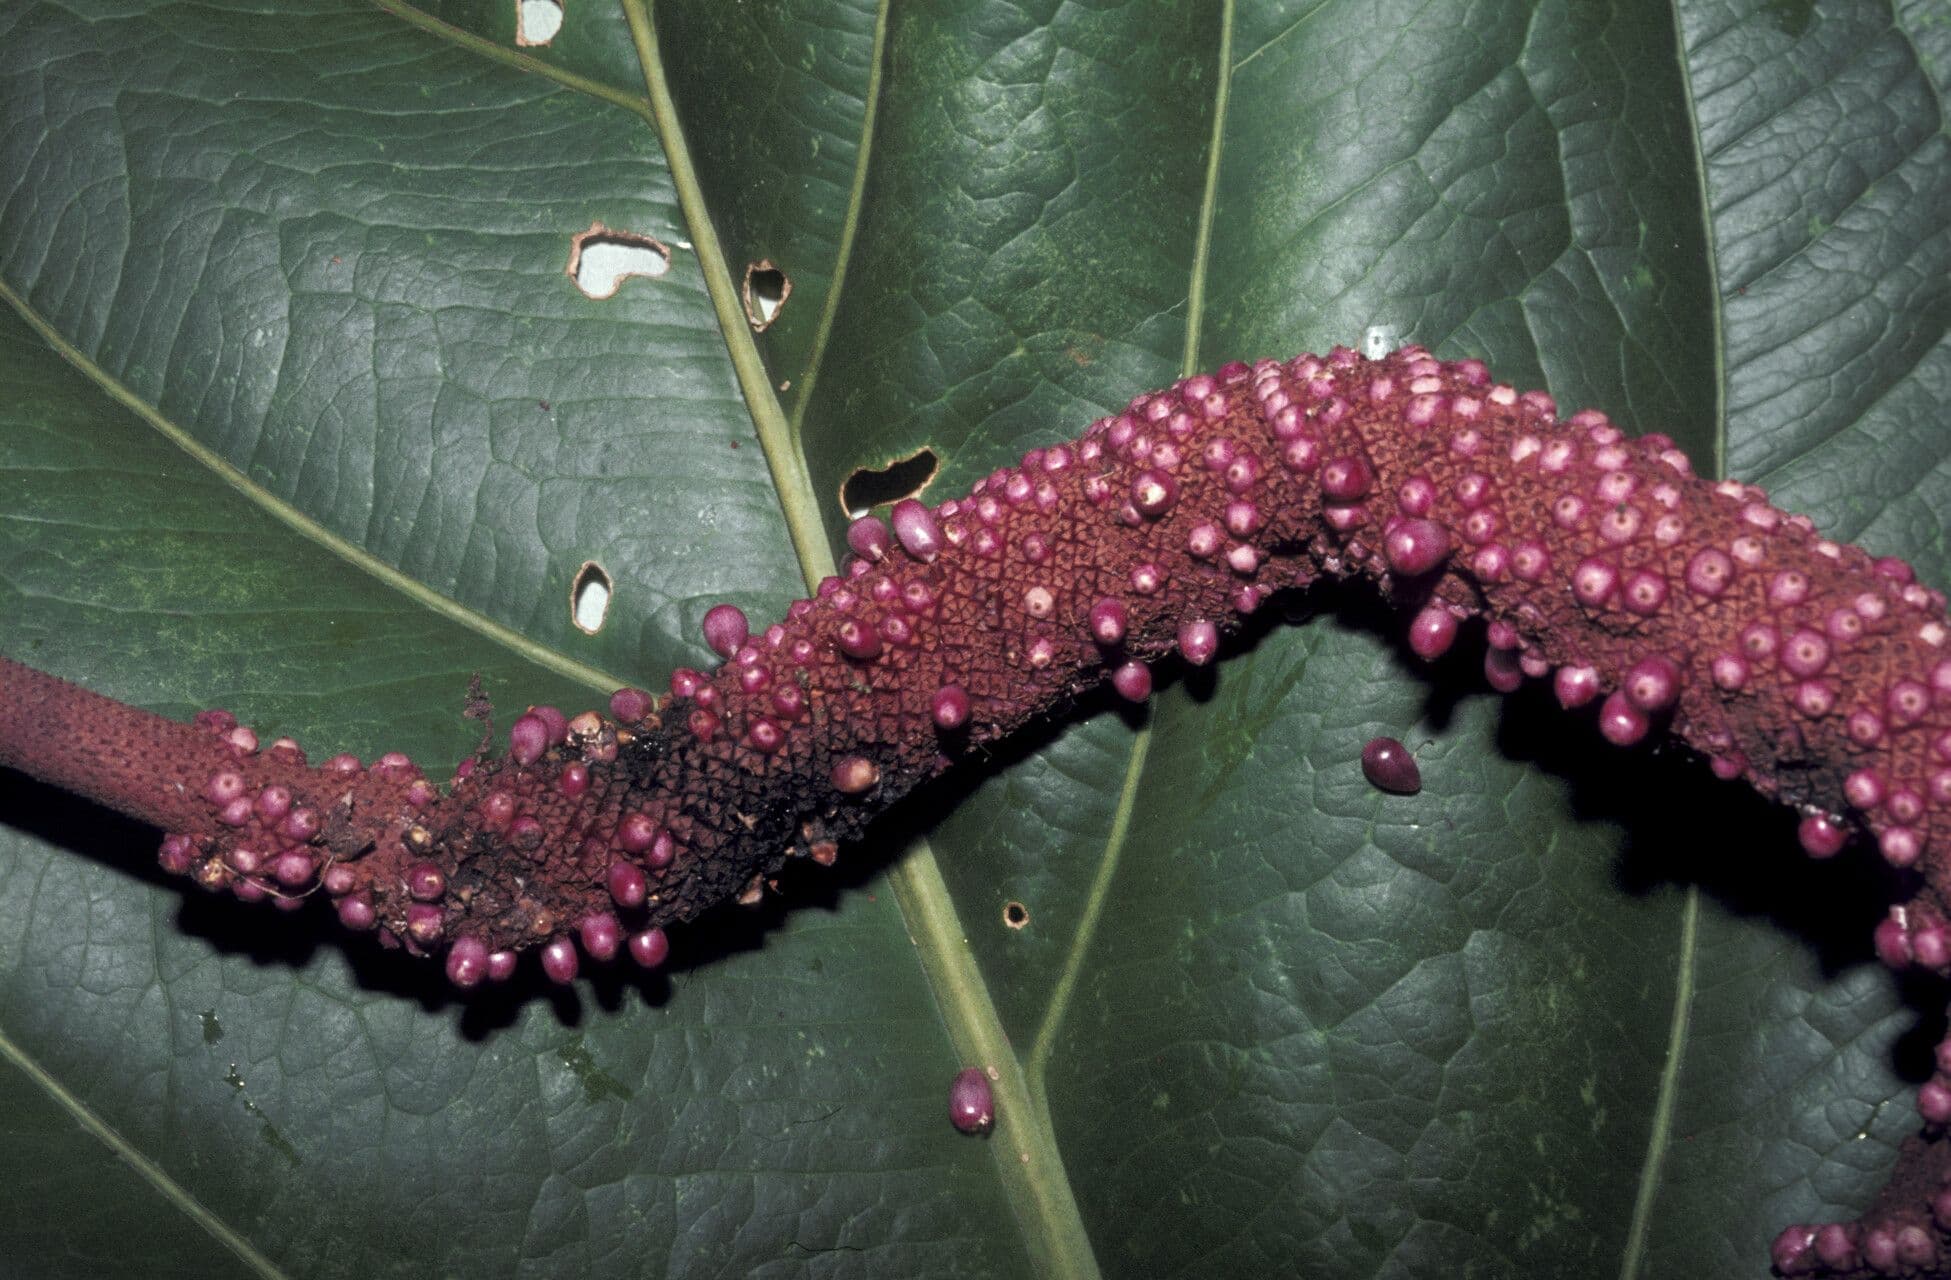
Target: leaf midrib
(1028, 1163)
(145, 1168)
(1659, 1136)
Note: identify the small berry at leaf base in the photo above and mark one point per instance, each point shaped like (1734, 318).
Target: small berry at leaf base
(971, 1102)
(1388, 766)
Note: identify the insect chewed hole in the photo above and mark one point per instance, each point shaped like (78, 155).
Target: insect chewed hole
(1015, 915)
(600, 259)
(1379, 340)
(766, 291)
(905, 477)
(537, 21)
(589, 598)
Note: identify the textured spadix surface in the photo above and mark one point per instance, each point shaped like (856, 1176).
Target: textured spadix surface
(1247, 979)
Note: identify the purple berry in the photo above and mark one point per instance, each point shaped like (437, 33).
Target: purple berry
(174, 855)
(853, 775)
(300, 825)
(1503, 669)
(1388, 765)
(650, 948)
(1821, 835)
(627, 884)
(1346, 479)
(1575, 686)
(1414, 547)
(725, 629)
(467, 962)
(1198, 642)
(528, 738)
(1153, 492)
(857, 640)
(1432, 632)
(949, 707)
(867, 538)
(915, 528)
(273, 802)
(292, 869)
(629, 705)
(356, 912)
(501, 966)
(224, 786)
(424, 922)
(636, 832)
(1792, 1249)
(1133, 681)
(425, 882)
(971, 1102)
(601, 935)
(1653, 684)
(1108, 621)
(1620, 722)
(558, 724)
(559, 960)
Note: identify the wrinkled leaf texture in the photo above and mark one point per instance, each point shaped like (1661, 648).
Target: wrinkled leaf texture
(303, 417)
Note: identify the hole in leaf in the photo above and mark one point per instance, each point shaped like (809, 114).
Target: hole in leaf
(766, 291)
(600, 259)
(589, 598)
(868, 488)
(1015, 915)
(537, 21)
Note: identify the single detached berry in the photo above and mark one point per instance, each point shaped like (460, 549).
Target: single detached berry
(1388, 766)
(971, 1102)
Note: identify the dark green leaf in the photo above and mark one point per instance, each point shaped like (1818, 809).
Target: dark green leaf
(305, 418)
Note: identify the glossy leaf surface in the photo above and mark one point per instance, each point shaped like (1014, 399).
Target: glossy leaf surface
(306, 417)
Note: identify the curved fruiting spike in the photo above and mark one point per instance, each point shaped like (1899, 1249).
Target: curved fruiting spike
(1653, 600)
(1388, 765)
(971, 1101)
